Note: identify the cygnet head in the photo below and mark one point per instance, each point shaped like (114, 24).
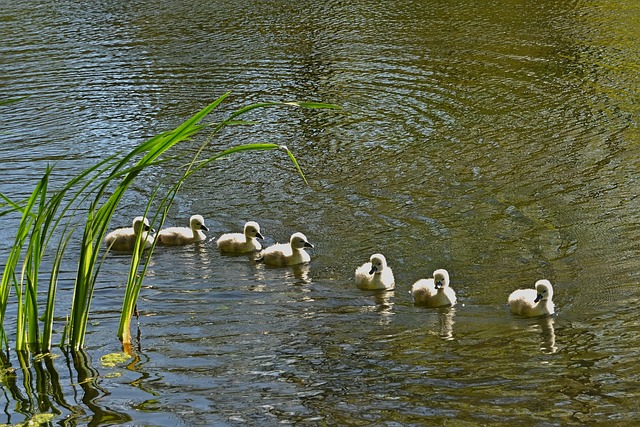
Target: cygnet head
(441, 278)
(197, 223)
(252, 230)
(378, 263)
(299, 241)
(544, 290)
(141, 224)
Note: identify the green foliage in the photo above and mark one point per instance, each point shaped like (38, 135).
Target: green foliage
(102, 186)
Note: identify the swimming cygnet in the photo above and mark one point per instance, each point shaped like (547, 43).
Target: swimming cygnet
(375, 274)
(434, 292)
(241, 243)
(287, 254)
(124, 239)
(177, 236)
(533, 302)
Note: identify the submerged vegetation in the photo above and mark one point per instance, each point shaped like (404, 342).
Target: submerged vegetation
(51, 218)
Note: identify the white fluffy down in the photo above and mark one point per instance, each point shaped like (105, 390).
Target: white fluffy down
(241, 243)
(434, 292)
(375, 274)
(176, 236)
(533, 302)
(287, 254)
(124, 239)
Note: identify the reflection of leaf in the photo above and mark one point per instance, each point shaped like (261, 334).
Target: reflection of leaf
(313, 105)
(242, 122)
(11, 100)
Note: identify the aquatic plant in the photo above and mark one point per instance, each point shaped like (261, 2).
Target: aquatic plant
(48, 215)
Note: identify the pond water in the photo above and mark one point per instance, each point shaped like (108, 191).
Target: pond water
(498, 140)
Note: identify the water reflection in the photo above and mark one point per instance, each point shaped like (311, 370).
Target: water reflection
(44, 390)
(548, 344)
(384, 303)
(445, 321)
(437, 321)
(10, 385)
(541, 327)
(91, 392)
(300, 273)
(293, 275)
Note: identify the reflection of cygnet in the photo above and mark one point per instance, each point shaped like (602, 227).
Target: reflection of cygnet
(286, 254)
(375, 274)
(548, 335)
(446, 324)
(124, 239)
(434, 292)
(533, 302)
(176, 236)
(240, 243)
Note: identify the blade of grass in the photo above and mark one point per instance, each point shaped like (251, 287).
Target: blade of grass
(9, 278)
(102, 187)
(135, 280)
(49, 310)
(97, 224)
(11, 100)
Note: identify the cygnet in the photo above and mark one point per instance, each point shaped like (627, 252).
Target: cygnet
(434, 292)
(177, 236)
(533, 302)
(375, 274)
(241, 243)
(124, 239)
(287, 254)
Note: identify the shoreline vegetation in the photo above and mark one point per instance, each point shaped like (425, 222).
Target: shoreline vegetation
(48, 219)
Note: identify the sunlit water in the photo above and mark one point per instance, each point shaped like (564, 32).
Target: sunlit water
(497, 140)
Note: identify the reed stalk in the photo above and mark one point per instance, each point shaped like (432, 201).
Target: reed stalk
(102, 187)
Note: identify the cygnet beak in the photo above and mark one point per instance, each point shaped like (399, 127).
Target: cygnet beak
(439, 284)
(308, 245)
(538, 298)
(204, 227)
(259, 236)
(373, 269)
